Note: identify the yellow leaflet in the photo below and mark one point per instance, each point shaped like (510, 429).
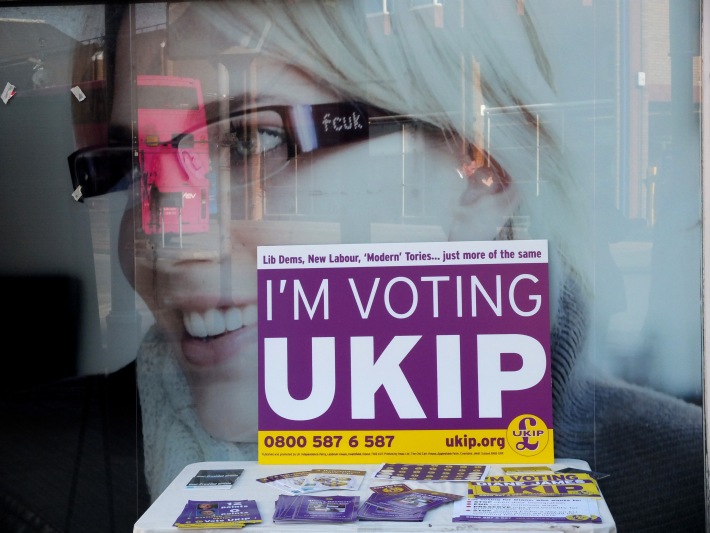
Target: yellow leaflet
(536, 485)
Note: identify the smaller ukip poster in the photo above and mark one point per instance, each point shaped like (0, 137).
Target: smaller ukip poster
(405, 353)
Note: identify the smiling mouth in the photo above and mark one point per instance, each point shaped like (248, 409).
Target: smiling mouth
(215, 322)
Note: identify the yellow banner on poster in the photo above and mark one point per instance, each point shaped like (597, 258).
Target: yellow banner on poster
(433, 446)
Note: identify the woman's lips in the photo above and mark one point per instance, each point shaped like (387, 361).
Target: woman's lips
(216, 335)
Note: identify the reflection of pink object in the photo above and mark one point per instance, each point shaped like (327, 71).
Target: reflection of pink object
(174, 182)
(8, 92)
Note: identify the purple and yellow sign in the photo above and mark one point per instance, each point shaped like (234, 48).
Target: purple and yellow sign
(416, 352)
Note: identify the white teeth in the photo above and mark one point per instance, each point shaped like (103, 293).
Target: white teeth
(233, 318)
(214, 322)
(195, 324)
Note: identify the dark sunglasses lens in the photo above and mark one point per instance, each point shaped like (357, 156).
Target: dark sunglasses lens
(100, 170)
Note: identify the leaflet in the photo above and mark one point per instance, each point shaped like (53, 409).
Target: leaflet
(214, 479)
(401, 503)
(306, 508)
(432, 472)
(567, 510)
(316, 480)
(535, 486)
(218, 514)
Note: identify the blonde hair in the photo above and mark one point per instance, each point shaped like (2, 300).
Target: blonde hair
(487, 53)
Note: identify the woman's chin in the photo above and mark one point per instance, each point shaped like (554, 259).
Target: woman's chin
(228, 410)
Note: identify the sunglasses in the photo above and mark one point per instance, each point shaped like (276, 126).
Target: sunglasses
(262, 139)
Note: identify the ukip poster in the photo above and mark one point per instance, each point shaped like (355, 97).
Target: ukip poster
(405, 352)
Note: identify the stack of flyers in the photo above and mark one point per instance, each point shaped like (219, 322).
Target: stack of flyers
(400, 503)
(218, 514)
(318, 480)
(556, 497)
(500, 510)
(305, 508)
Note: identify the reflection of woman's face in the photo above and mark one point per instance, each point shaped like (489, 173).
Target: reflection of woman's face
(402, 186)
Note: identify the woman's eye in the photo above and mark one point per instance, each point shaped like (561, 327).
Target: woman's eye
(252, 140)
(256, 133)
